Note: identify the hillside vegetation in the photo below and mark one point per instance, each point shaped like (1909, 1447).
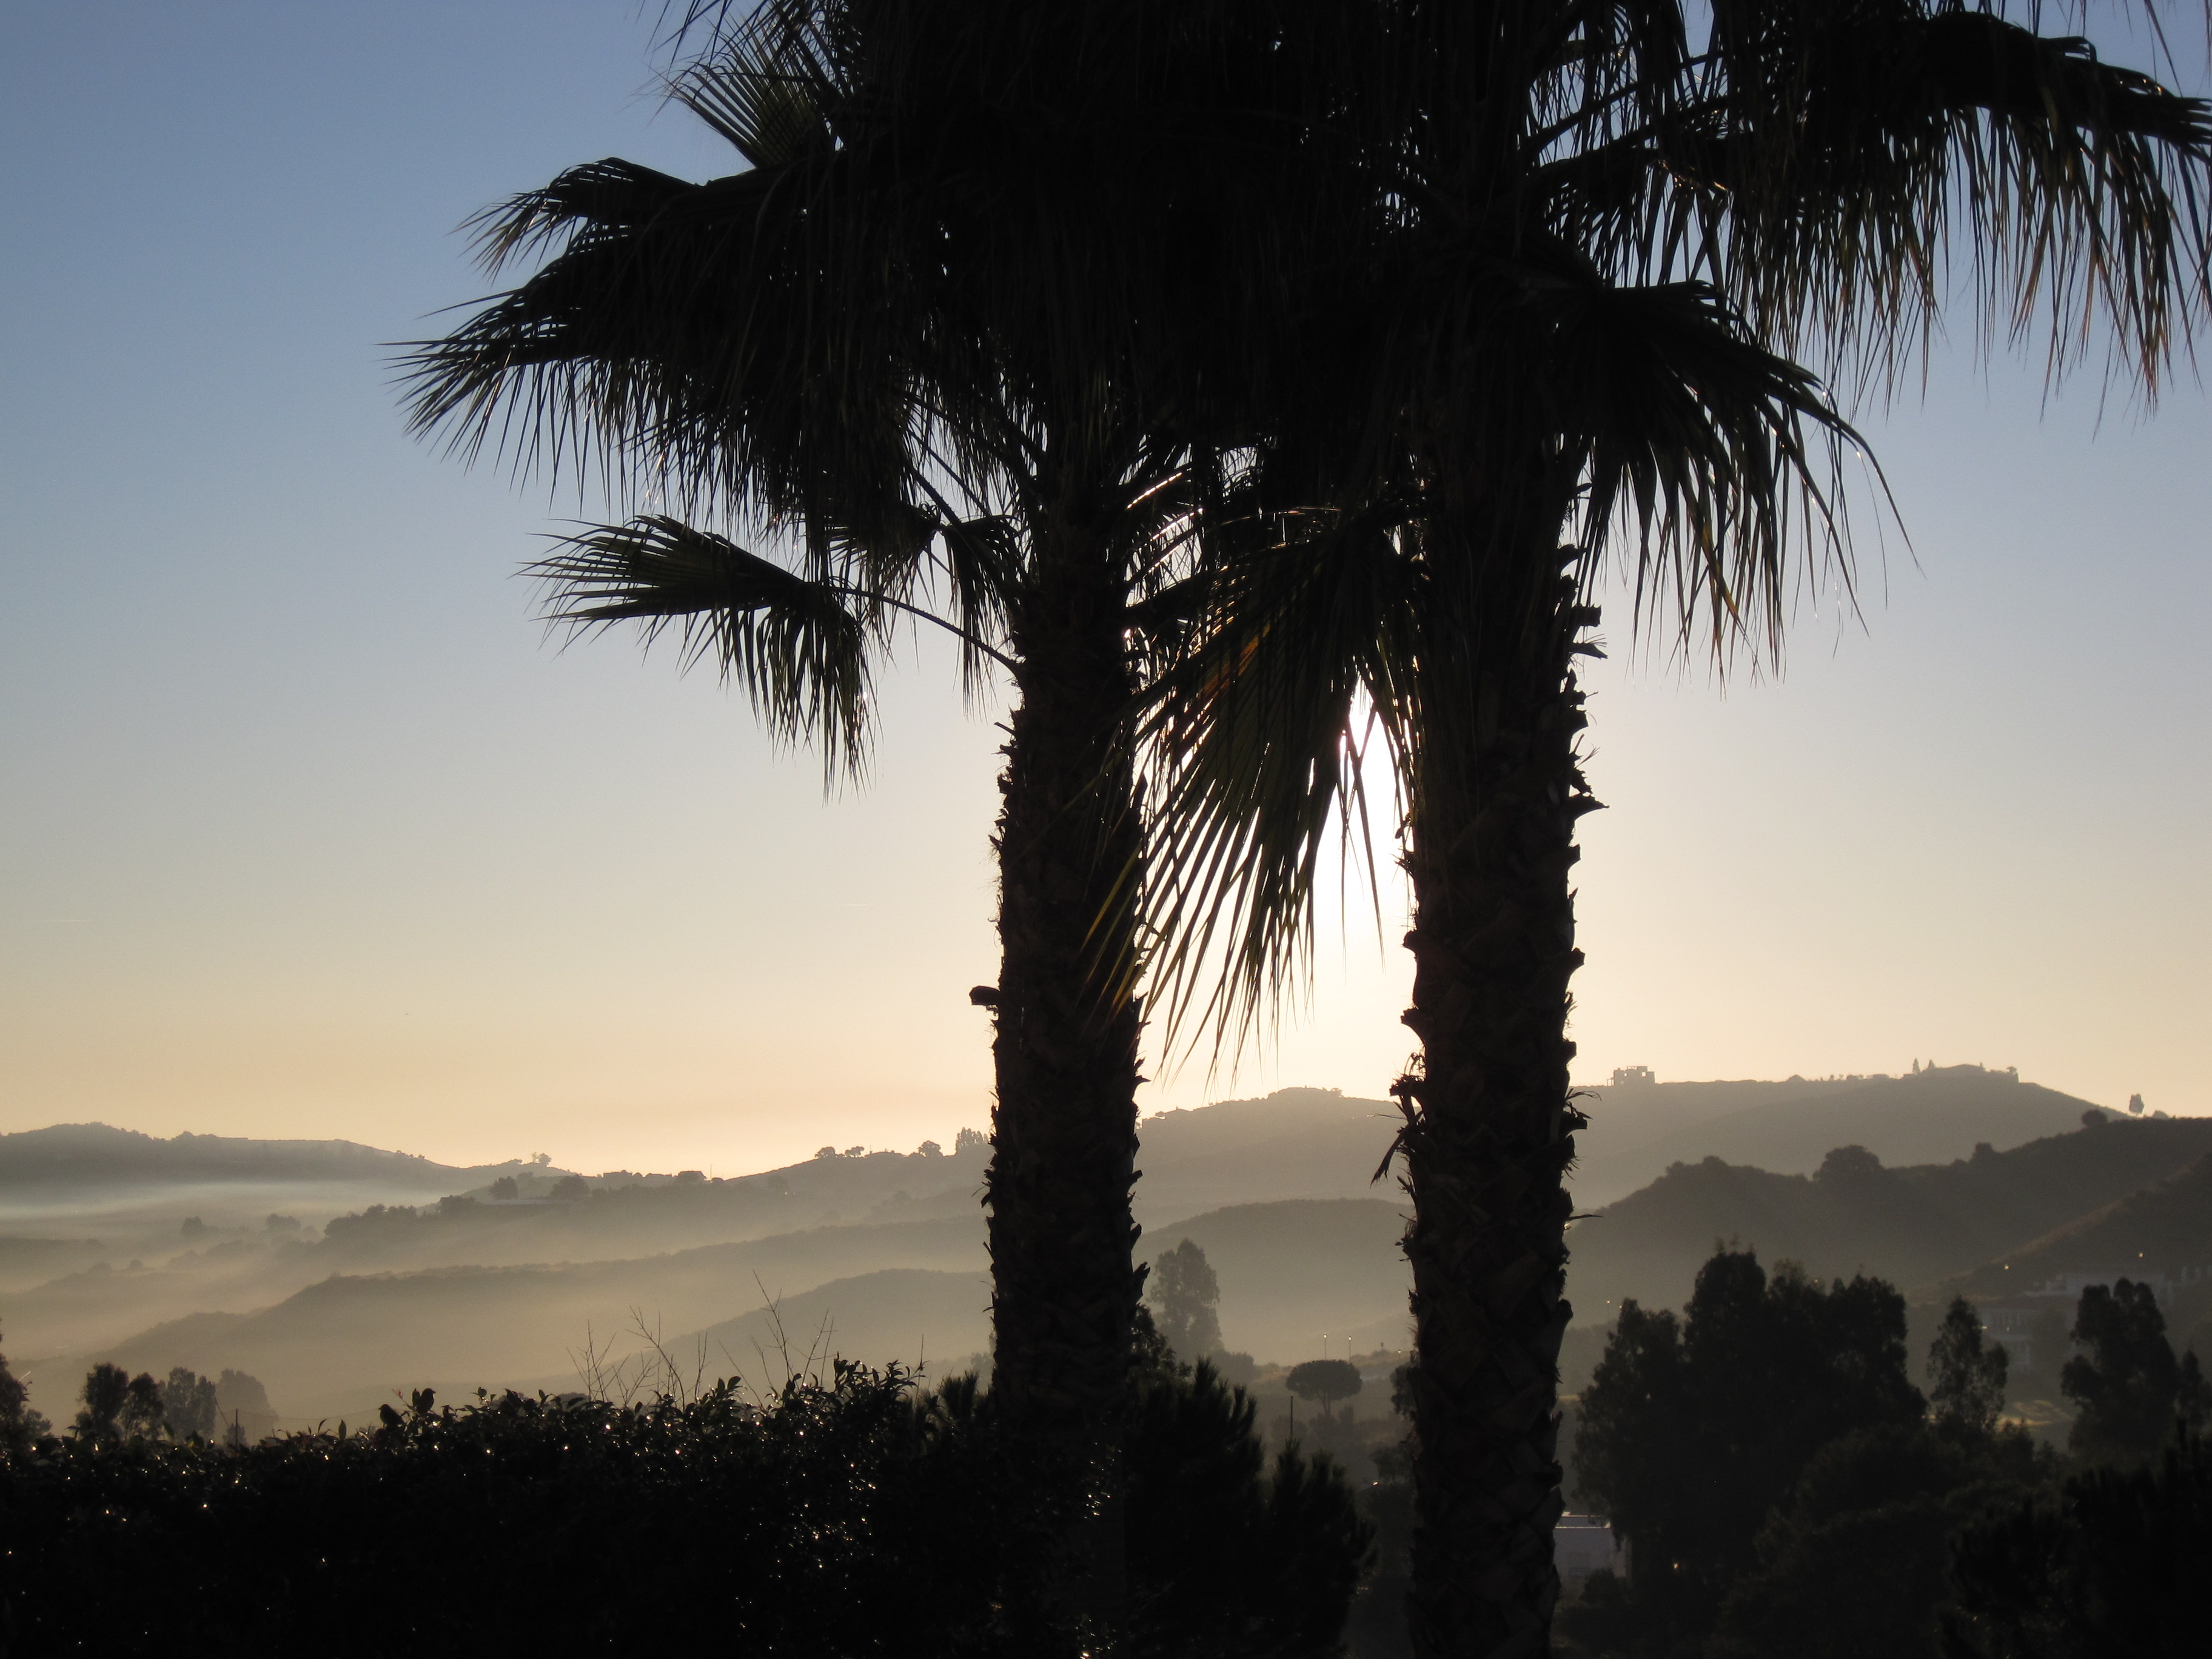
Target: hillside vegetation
(1910, 1226)
(2164, 1229)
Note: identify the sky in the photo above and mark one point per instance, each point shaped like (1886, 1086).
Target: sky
(308, 828)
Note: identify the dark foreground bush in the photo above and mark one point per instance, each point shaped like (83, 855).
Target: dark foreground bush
(849, 1519)
(2120, 1567)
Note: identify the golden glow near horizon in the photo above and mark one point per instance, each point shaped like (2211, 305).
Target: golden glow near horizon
(308, 831)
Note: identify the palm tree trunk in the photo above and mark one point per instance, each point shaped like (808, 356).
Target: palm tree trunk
(1065, 1287)
(1489, 1123)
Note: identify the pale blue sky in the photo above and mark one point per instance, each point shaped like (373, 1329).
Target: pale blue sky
(305, 829)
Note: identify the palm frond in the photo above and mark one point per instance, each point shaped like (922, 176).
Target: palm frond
(1258, 765)
(797, 645)
(1714, 467)
(771, 86)
(1850, 154)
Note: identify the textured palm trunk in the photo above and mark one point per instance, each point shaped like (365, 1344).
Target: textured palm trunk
(1065, 1287)
(1489, 1123)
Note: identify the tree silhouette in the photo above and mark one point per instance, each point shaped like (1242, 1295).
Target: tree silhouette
(106, 1388)
(1966, 1377)
(1182, 1289)
(1852, 1562)
(915, 331)
(1536, 296)
(1692, 1428)
(2126, 1385)
(140, 1417)
(848, 1515)
(1324, 1382)
(189, 1405)
(20, 1425)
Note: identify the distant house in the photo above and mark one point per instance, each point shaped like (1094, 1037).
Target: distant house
(2007, 1074)
(1631, 1077)
(1581, 1544)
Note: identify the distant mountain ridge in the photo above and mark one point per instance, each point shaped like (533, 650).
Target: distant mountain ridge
(1293, 1143)
(1279, 1190)
(98, 1155)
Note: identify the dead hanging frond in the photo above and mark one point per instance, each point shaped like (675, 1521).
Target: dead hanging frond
(797, 645)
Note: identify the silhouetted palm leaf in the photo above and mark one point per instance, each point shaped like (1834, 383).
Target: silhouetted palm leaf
(799, 646)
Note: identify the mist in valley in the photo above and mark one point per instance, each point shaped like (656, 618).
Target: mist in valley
(386, 1273)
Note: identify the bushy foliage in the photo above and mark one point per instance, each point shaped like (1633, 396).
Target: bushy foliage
(1229, 1554)
(1324, 1381)
(2114, 1567)
(1693, 1430)
(1854, 1562)
(1785, 1406)
(508, 1524)
(854, 1516)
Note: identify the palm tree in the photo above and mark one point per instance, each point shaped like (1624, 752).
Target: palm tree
(908, 337)
(1594, 256)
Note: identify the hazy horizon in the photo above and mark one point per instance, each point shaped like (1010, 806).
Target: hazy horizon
(309, 832)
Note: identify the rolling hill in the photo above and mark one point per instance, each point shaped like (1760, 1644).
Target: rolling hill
(475, 1291)
(325, 1349)
(2165, 1229)
(95, 1155)
(1910, 1226)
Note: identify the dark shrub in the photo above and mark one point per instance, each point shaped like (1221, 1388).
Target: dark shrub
(854, 1518)
(2119, 1567)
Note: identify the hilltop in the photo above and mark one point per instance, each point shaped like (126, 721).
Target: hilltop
(1940, 1114)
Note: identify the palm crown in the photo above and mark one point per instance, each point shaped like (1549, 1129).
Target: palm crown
(1591, 260)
